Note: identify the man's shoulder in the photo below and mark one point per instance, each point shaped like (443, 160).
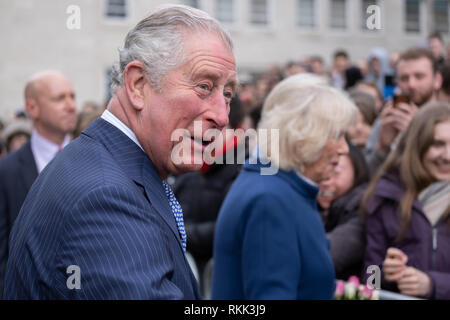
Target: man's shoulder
(83, 174)
(16, 163)
(85, 163)
(11, 160)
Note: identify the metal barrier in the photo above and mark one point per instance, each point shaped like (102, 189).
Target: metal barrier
(207, 279)
(388, 295)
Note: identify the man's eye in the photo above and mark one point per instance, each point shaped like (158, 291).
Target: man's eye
(204, 86)
(228, 95)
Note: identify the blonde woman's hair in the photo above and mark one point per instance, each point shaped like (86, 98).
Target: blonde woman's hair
(307, 113)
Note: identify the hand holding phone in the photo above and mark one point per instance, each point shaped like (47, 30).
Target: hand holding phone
(400, 98)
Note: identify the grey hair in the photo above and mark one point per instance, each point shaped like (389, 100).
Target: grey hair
(157, 42)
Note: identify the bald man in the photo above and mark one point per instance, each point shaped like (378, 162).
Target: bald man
(50, 102)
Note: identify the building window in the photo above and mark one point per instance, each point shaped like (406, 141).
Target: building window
(306, 13)
(192, 3)
(259, 12)
(440, 13)
(338, 14)
(224, 11)
(116, 9)
(365, 16)
(412, 16)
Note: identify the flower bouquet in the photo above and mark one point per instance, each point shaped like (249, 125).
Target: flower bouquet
(353, 290)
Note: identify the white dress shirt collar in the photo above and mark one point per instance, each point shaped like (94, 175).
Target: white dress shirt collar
(45, 150)
(112, 119)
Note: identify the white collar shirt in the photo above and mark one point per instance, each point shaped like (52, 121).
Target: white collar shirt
(112, 119)
(45, 150)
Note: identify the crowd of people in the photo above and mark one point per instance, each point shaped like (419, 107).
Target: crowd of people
(421, 76)
(363, 174)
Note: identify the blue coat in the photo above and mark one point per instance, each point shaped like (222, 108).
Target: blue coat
(99, 205)
(270, 242)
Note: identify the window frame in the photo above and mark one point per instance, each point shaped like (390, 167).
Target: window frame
(315, 20)
(233, 12)
(270, 15)
(435, 26)
(405, 18)
(199, 4)
(117, 20)
(346, 17)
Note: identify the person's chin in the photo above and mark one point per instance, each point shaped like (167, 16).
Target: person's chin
(187, 166)
(441, 174)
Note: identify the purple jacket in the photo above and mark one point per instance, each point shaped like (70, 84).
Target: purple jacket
(427, 247)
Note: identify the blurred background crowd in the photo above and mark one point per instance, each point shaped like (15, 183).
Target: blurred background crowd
(388, 88)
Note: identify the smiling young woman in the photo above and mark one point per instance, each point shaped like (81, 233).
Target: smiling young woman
(419, 264)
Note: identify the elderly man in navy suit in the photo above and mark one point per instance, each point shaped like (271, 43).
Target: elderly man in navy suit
(100, 222)
(50, 103)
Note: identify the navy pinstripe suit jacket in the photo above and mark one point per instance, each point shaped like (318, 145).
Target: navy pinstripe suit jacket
(99, 205)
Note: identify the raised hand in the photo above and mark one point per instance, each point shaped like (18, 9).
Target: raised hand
(394, 264)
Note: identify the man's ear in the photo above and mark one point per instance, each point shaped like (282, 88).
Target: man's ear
(134, 83)
(32, 108)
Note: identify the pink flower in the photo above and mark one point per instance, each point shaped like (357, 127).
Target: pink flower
(366, 292)
(354, 280)
(340, 289)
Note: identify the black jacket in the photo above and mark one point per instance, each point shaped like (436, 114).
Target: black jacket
(346, 232)
(17, 173)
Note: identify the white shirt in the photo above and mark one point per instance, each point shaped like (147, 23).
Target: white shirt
(45, 150)
(112, 119)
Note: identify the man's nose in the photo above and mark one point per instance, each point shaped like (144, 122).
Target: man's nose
(70, 104)
(412, 83)
(220, 111)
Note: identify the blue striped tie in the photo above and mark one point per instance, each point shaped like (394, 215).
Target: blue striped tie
(177, 212)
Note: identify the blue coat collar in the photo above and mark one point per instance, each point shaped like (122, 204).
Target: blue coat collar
(291, 177)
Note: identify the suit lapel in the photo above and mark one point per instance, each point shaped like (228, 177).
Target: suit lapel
(28, 165)
(137, 165)
(158, 198)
